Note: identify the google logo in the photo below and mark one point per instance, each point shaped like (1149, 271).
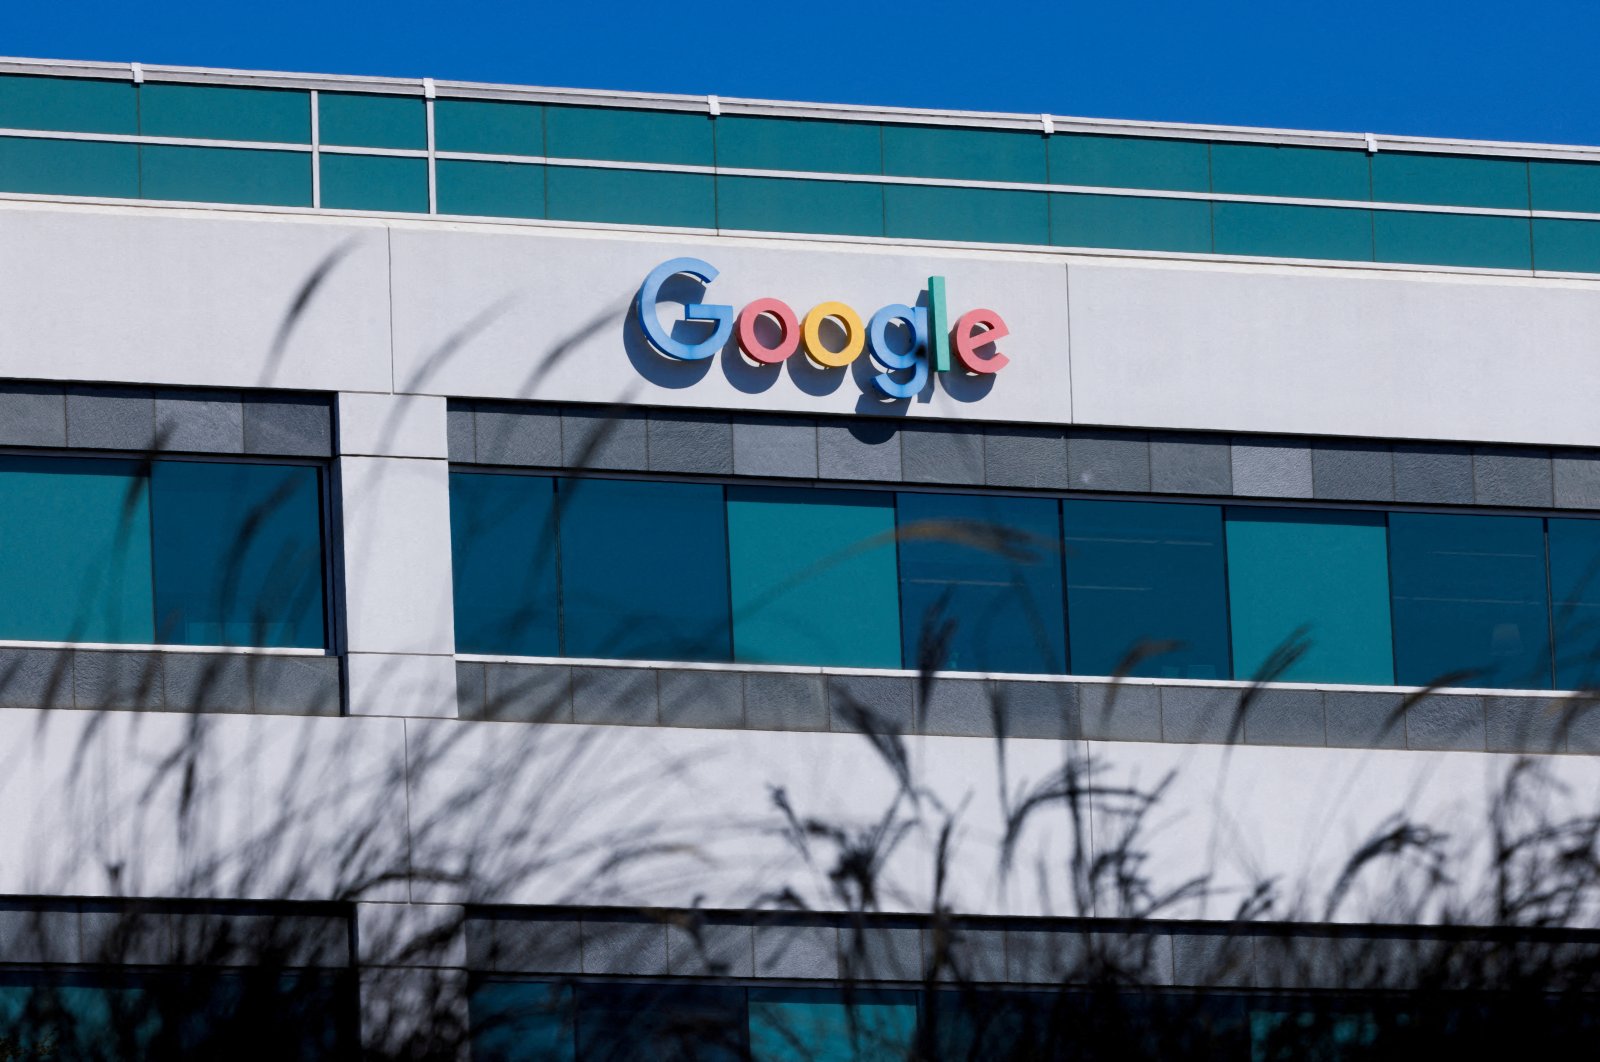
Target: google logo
(932, 336)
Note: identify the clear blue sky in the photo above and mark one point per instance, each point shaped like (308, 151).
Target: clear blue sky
(1466, 68)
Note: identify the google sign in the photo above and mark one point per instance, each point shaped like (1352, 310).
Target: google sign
(905, 369)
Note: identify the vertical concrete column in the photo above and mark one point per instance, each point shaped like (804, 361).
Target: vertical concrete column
(398, 615)
(413, 961)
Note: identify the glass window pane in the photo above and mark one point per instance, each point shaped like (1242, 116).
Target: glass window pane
(1449, 180)
(1274, 231)
(991, 567)
(1130, 223)
(1452, 239)
(491, 189)
(503, 553)
(813, 577)
(661, 1023)
(238, 554)
(74, 550)
(973, 154)
(973, 215)
(69, 167)
(799, 144)
(1565, 186)
(225, 175)
(1130, 162)
(375, 182)
(68, 104)
(644, 570)
(1148, 577)
(1469, 596)
(489, 127)
(616, 135)
(356, 120)
(1566, 246)
(1318, 575)
(214, 112)
(515, 1021)
(1296, 172)
(1575, 602)
(631, 197)
(824, 1025)
(780, 205)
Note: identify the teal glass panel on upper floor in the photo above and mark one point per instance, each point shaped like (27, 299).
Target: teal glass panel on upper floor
(787, 204)
(503, 553)
(216, 112)
(795, 557)
(1290, 171)
(755, 143)
(225, 175)
(490, 189)
(1130, 162)
(1564, 185)
(375, 182)
(830, 1025)
(631, 197)
(69, 167)
(488, 127)
(1449, 180)
(1131, 223)
(963, 154)
(1277, 230)
(1487, 242)
(1314, 578)
(1575, 602)
(1566, 245)
(666, 1022)
(969, 215)
(68, 104)
(361, 120)
(615, 134)
(514, 1021)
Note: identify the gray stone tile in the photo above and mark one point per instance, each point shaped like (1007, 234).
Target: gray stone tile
(295, 685)
(798, 952)
(859, 450)
(881, 953)
(1438, 473)
(1108, 460)
(104, 680)
(525, 945)
(1361, 719)
(1200, 714)
(1577, 479)
(871, 703)
(1354, 471)
(1213, 960)
(617, 696)
(1583, 725)
(938, 453)
(1120, 711)
(774, 700)
(32, 415)
(958, 707)
(35, 678)
(1044, 956)
(1507, 475)
(711, 699)
(1143, 955)
(690, 442)
(1190, 463)
(461, 433)
(32, 933)
(1271, 467)
(968, 956)
(200, 421)
(1025, 457)
(117, 934)
(527, 693)
(256, 939)
(292, 425)
(1445, 722)
(1038, 709)
(207, 682)
(775, 446)
(111, 418)
(470, 690)
(1526, 724)
(508, 435)
(699, 948)
(604, 438)
(636, 947)
(1285, 717)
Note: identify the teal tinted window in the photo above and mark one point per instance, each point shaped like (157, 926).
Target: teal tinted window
(503, 553)
(780, 204)
(631, 197)
(1130, 223)
(1469, 600)
(1130, 162)
(1147, 579)
(238, 554)
(970, 154)
(1565, 186)
(68, 105)
(796, 557)
(1271, 230)
(74, 550)
(1449, 180)
(827, 1025)
(69, 167)
(1452, 239)
(644, 570)
(491, 189)
(1575, 602)
(1567, 246)
(214, 112)
(513, 1021)
(1321, 578)
(799, 144)
(980, 579)
(616, 135)
(701, 1023)
(1292, 172)
(375, 182)
(354, 120)
(973, 215)
(225, 175)
(488, 127)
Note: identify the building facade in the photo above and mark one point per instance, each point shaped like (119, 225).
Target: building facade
(556, 574)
